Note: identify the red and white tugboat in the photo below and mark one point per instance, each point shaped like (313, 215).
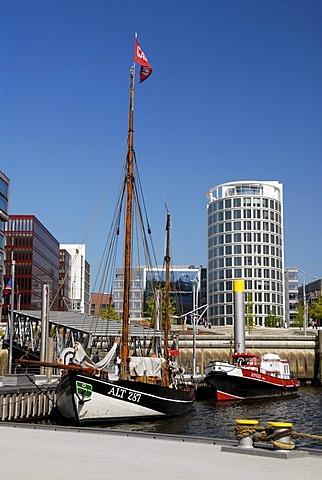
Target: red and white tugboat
(250, 376)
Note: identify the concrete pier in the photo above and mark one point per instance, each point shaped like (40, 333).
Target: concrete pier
(57, 453)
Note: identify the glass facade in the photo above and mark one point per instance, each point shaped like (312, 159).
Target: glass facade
(36, 253)
(245, 241)
(183, 280)
(183, 283)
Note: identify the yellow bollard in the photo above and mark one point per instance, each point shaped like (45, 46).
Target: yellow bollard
(282, 442)
(246, 441)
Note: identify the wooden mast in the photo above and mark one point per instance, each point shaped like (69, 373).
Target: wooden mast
(167, 295)
(128, 234)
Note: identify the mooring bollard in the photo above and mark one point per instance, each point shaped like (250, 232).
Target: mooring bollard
(283, 442)
(246, 441)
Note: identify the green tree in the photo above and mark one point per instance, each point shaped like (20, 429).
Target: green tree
(151, 309)
(315, 309)
(110, 313)
(249, 313)
(273, 320)
(299, 316)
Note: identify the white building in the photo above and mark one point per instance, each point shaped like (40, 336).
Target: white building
(245, 241)
(80, 277)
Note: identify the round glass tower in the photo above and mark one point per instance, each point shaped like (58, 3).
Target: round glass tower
(245, 241)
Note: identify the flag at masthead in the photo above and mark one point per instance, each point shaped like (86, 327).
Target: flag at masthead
(141, 59)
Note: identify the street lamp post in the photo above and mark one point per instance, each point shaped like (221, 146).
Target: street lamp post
(305, 309)
(304, 306)
(194, 316)
(11, 325)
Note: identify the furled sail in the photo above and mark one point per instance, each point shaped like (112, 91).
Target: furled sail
(81, 357)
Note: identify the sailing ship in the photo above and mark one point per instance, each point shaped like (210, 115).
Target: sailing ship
(148, 387)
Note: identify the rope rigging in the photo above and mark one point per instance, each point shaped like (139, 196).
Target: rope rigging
(141, 235)
(267, 434)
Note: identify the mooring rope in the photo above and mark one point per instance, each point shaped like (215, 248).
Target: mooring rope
(266, 434)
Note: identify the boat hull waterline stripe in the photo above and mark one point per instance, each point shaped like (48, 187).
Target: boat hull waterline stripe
(238, 387)
(108, 401)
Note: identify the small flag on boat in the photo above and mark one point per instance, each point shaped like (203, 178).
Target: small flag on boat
(140, 58)
(173, 353)
(7, 288)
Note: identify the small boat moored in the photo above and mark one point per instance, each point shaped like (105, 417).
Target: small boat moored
(250, 376)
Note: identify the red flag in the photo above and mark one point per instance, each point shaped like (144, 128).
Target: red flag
(140, 58)
(173, 353)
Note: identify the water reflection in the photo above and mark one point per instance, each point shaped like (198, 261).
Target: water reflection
(210, 419)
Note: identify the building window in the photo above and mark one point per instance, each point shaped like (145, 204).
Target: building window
(247, 225)
(237, 249)
(237, 225)
(228, 238)
(247, 237)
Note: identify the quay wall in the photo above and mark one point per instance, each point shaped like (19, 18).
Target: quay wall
(302, 351)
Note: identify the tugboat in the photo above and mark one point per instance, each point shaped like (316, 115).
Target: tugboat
(249, 376)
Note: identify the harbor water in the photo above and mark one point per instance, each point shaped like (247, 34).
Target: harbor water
(217, 420)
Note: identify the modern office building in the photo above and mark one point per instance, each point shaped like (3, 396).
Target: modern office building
(291, 295)
(36, 254)
(187, 288)
(136, 292)
(245, 241)
(79, 277)
(313, 291)
(294, 285)
(4, 217)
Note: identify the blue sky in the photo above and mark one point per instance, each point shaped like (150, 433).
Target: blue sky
(235, 94)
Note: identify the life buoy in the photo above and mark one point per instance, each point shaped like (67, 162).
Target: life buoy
(241, 362)
(59, 370)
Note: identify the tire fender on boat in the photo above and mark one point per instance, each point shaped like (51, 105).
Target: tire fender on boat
(240, 362)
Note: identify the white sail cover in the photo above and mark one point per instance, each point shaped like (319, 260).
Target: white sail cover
(149, 366)
(81, 357)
